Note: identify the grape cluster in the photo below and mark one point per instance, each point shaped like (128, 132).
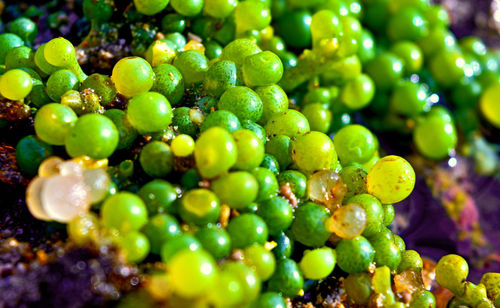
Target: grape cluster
(246, 174)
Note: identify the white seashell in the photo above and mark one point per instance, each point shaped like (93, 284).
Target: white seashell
(97, 181)
(50, 166)
(33, 199)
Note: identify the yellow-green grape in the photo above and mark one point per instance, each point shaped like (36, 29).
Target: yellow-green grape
(358, 287)
(182, 145)
(215, 152)
(15, 84)
(325, 24)
(192, 273)
(349, 221)
(83, 229)
(132, 76)
(391, 179)
(451, 272)
(492, 283)
(251, 15)
(160, 52)
(150, 7)
(60, 52)
(490, 105)
(135, 245)
(314, 151)
(318, 263)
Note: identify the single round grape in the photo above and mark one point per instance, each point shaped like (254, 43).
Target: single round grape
(447, 68)
(313, 151)
(53, 122)
(366, 49)
(247, 229)
(60, 52)
(249, 281)
(290, 123)
(489, 105)
(15, 84)
(409, 99)
(277, 213)
(267, 182)
(269, 300)
(435, 137)
(169, 82)
(226, 291)
(388, 214)
(295, 28)
(177, 244)
(215, 240)
(387, 253)
(199, 207)
(8, 41)
(386, 69)
(354, 255)
(102, 86)
(325, 24)
(241, 181)
(149, 112)
(193, 66)
(20, 57)
(243, 102)
(93, 135)
(253, 15)
(61, 82)
(391, 179)
(150, 7)
(30, 152)
(287, 278)
(222, 118)
(318, 116)
(411, 54)
(349, 221)
(423, 299)
(124, 211)
(238, 50)
(262, 69)
(220, 76)
(437, 16)
(98, 10)
(135, 245)
(358, 287)
(193, 273)
(438, 40)
(187, 8)
(159, 229)
(219, 8)
(263, 261)
(127, 133)
(156, 159)
(83, 229)
(410, 259)
(132, 76)
(354, 177)
(258, 130)
(451, 272)
(355, 144)
(280, 147)
(310, 224)
(318, 263)
(407, 24)
(158, 195)
(250, 149)
(296, 180)
(25, 28)
(182, 145)
(215, 152)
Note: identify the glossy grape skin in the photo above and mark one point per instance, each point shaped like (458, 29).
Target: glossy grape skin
(215, 152)
(249, 281)
(135, 245)
(124, 211)
(158, 195)
(391, 179)
(215, 240)
(241, 181)
(221, 118)
(277, 213)
(489, 105)
(93, 135)
(30, 152)
(269, 300)
(261, 260)
(199, 207)
(19, 57)
(156, 159)
(287, 279)
(295, 28)
(250, 149)
(262, 69)
(267, 183)
(243, 102)
(251, 16)
(238, 50)
(53, 122)
(318, 116)
(150, 7)
(219, 8)
(407, 24)
(447, 68)
(409, 99)
(358, 93)
(385, 70)
(258, 130)
(366, 49)
(354, 255)
(247, 229)
(15, 84)
(325, 24)
(227, 291)
(466, 93)
(149, 112)
(169, 82)
(358, 287)
(423, 299)
(387, 252)
(451, 272)
(374, 212)
(8, 41)
(127, 133)
(296, 180)
(388, 214)
(159, 229)
(290, 123)
(25, 28)
(313, 151)
(177, 244)
(271, 163)
(438, 40)
(83, 229)
(354, 177)
(318, 263)
(280, 147)
(193, 273)
(410, 259)
(132, 76)
(193, 66)
(220, 76)
(309, 225)
(435, 136)
(354, 144)
(102, 86)
(61, 82)
(411, 54)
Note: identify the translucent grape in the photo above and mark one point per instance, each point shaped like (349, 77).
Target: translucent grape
(349, 221)
(132, 76)
(326, 187)
(15, 84)
(318, 263)
(215, 152)
(97, 181)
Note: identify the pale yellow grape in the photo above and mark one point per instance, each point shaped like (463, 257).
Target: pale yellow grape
(33, 200)
(326, 187)
(182, 145)
(391, 179)
(84, 228)
(65, 197)
(348, 221)
(97, 181)
(490, 105)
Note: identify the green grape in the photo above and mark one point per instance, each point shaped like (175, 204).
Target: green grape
(61, 82)
(271, 163)
(220, 76)
(410, 259)
(213, 50)
(280, 147)
(296, 180)
(150, 7)
(355, 144)
(407, 24)
(366, 49)
(20, 57)
(221, 118)
(287, 278)
(447, 68)
(215, 240)
(263, 261)
(258, 130)
(247, 229)
(83, 229)
(177, 244)
(60, 52)
(227, 290)
(219, 8)
(187, 8)
(97, 10)
(156, 159)
(267, 182)
(387, 253)
(159, 229)
(489, 105)
(290, 123)
(25, 28)
(391, 179)
(183, 118)
(269, 300)
(277, 213)
(295, 28)
(251, 15)
(318, 263)
(318, 116)
(249, 281)
(439, 40)
(358, 93)
(149, 112)
(102, 86)
(158, 195)
(243, 102)
(238, 50)
(492, 283)
(437, 16)
(358, 287)
(182, 145)
(31, 151)
(325, 24)
(173, 23)
(466, 93)
(193, 66)
(199, 207)
(262, 69)
(93, 135)
(250, 149)
(388, 214)
(169, 82)
(313, 151)
(423, 299)
(374, 212)
(124, 211)
(411, 55)
(320, 95)
(8, 41)
(193, 273)
(215, 152)
(15, 84)
(386, 69)
(127, 133)
(354, 177)
(354, 255)
(53, 122)
(135, 245)
(132, 76)
(175, 40)
(241, 181)
(451, 273)
(409, 99)
(284, 246)
(310, 224)
(435, 137)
